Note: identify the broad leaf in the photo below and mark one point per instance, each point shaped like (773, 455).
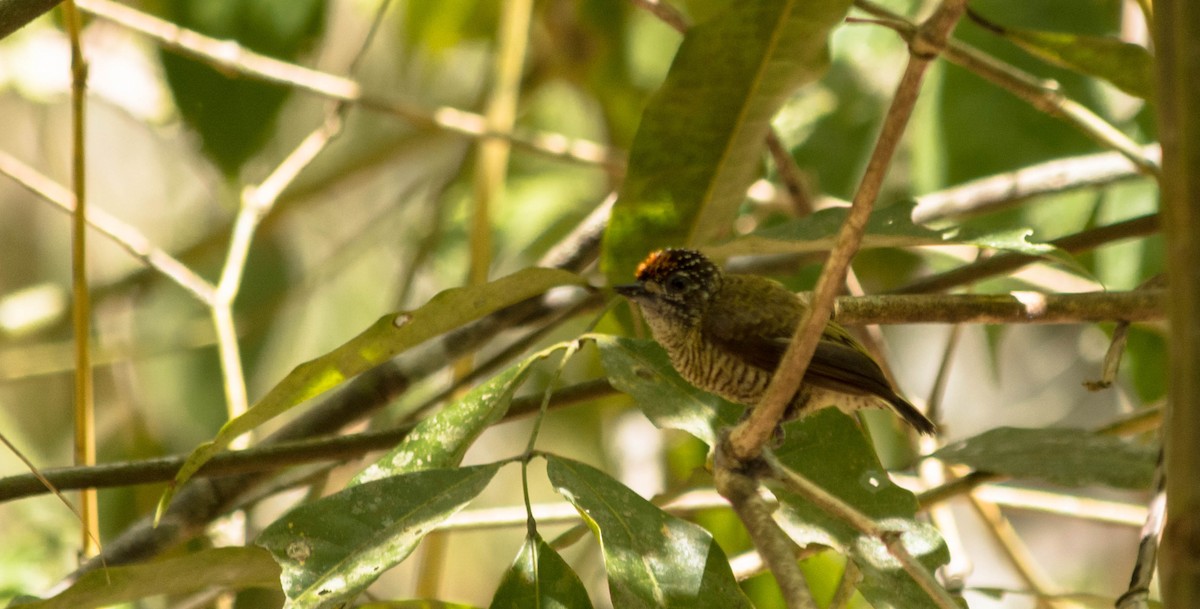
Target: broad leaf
(641, 369)
(386, 338)
(540, 579)
(829, 449)
(654, 560)
(700, 142)
(230, 568)
(891, 226)
(442, 439)
(1070, 457)
(414, 604)
(333, 548)
(1129, 67)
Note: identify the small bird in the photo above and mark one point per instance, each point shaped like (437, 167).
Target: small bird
(727, 333)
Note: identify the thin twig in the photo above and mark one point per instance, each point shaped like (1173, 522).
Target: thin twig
(1000, 191)
(1137, 596)
(81, 307)
(892, 540)
(232, 57)
(776, 548)
(1008, 261)
(264, 458)
(748, 437)
(790, 175)
(1042, 96)
(1116, 346)
(124, 235)
(1018, 553)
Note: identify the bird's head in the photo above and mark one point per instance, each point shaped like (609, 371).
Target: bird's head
(674, 286)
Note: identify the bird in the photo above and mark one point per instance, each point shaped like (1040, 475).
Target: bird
(726, 334)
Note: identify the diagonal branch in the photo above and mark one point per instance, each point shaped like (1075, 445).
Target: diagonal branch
(230, 56)
(747, 439)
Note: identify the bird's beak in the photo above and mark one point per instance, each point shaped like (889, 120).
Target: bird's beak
(632, 291)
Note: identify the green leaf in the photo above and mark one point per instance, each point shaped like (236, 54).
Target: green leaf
(386, 338)
(235, 116)
(829, 449)
(414, 604)
(641, 369)
(230, 568)
(654, 560)
(442, 439)
(890, 226)
(540, 579)
(333, 548)
(1070, 457)
(1129, 67)
(700, 142)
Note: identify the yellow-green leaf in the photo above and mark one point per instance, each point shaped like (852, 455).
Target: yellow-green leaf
(386, 338)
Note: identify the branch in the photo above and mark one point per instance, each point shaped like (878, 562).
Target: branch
(201, 500)
(747, 438)
(1177, 30)
(776, 548)
(1001, 191)
(1011, 308)
(1046, 98)
(266, 458)
(1008, 261)
(228, 56)
(124, 235)
(890, 539)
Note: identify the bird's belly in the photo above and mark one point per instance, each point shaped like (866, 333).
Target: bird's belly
(717, 372)
(725, 375)
(812, 397)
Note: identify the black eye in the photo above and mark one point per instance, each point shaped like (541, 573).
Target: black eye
(678, 282)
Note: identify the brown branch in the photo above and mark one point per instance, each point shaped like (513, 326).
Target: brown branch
(747, 438)
(232, 57)
(776, 548)
(265, 458)
(1007, 262)
(1010, 308)
(1001, 191)
(1044, 97)
(892, 540)
(1177, 55)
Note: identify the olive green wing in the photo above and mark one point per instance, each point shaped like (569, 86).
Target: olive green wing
(837, 364)
(851, 370)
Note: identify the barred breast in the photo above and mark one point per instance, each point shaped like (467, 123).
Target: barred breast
(712, 370)
(715, 371)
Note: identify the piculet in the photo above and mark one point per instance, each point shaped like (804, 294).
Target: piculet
(726, 334)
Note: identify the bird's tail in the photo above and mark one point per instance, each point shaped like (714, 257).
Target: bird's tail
(909, 413)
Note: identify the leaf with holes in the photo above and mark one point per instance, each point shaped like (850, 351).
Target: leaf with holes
(856, 477)
(333, 548)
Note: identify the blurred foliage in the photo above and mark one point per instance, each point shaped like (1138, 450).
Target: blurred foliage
(235, 116)
(377, 225)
